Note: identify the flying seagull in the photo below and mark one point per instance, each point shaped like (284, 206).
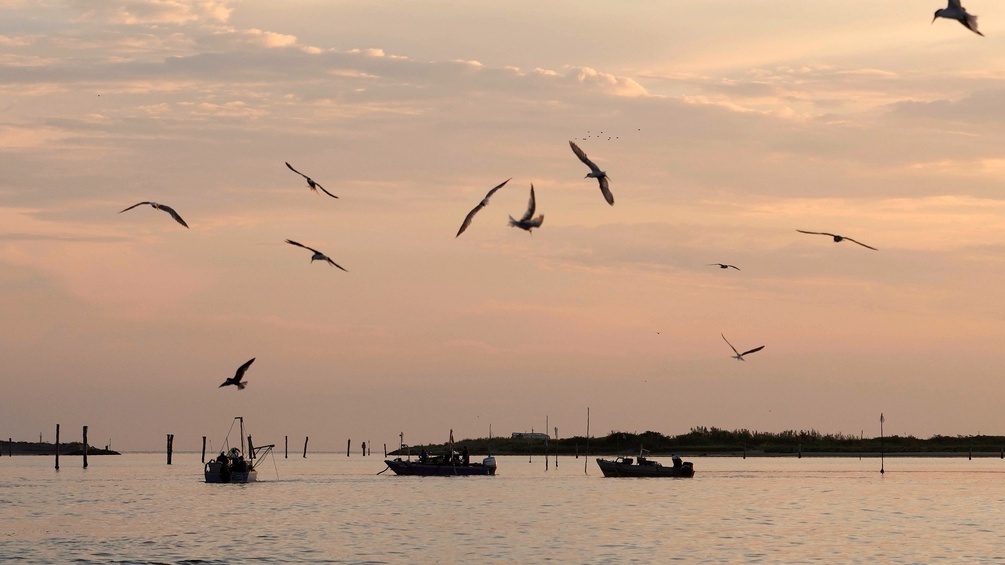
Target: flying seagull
(724, 266)
(739, 356)
(526, 223)
(954, 11)
(157, 206)
(236, 379)
(595, 172)
(318, 256)
(482, 204)
(310, 182)
(838, 238)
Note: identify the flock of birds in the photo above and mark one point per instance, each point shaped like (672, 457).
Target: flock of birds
(954, 11)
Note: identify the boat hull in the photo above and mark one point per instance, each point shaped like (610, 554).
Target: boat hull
(415, 468)
(648, 469)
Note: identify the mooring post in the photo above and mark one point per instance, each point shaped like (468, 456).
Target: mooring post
(10, 448)
(385, 451)
(204, 449)
(85, 447)
(170, 446)
(286, 447)
(57, 447)
(348, 447)
(305, 446)
(364, 449)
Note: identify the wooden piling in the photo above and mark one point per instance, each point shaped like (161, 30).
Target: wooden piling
(286, 447)
(57, 447)
(306, 438)
(170, 446)
(348, 447)
(10, 448)
(204, 449)
(385, 451)
(85, 447)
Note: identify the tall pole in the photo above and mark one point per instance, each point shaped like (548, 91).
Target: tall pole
(586, 463)
(85, 447)
(57, 447)
(881, 420)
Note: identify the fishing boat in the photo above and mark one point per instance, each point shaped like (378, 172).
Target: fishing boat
(231, 466)
(644, 467)
(449, 465)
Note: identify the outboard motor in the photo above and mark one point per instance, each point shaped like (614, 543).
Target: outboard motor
(490, 463)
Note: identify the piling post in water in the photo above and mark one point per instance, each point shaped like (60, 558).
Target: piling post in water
(10, 447)
(881, 454)
(348, 447)
(57, 447)
(385, 451)
(85, 447)
(306, 438)
(970, 456)
(586, 463)
(800, 456)
(364, 448)
(286, 447)
(170, 446)
(203, 449)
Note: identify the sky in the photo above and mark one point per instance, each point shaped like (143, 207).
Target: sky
(726, 126)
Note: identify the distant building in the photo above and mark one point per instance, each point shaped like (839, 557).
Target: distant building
(529, 435)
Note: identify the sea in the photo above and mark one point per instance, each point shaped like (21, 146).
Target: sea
(330, 508)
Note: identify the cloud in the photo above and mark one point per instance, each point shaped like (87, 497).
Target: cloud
(131, 12)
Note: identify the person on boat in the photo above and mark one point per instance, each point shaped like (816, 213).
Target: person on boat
(677, 463)
(466, 456)
(424, 456)
(224, 462)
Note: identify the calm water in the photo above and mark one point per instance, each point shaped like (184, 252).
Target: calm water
(329, 508)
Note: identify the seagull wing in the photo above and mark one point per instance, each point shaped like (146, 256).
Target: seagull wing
(606, 190)
(752, 350)
(730, 345)
(969, 21)
(817, 233)
(296, 171)
(467, 219)
(497, 187)
(324, 191)
(582, 157)
(135, 205)
(291, 242)
(174, 214)
(531, 207)
(333, 263)
(734, 267)
(242, 369)
(862, 244)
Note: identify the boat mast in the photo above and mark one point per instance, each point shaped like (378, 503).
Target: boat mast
(241, 419)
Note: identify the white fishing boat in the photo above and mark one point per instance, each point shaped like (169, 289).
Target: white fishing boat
(231, 466)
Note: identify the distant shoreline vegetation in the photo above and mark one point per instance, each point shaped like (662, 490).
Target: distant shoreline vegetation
(43, 448)
(714, 441)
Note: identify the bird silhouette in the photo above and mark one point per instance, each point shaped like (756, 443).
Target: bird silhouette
(955, 11)
(482, 204)
(837, 238)
(724, 266)
(163, 207)
(595, 172)
(236, 379)
(318, 256)
(310, 182)
(528, 222)
(739, 356)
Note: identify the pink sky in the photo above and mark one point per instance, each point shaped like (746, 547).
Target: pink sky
(732, 126)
